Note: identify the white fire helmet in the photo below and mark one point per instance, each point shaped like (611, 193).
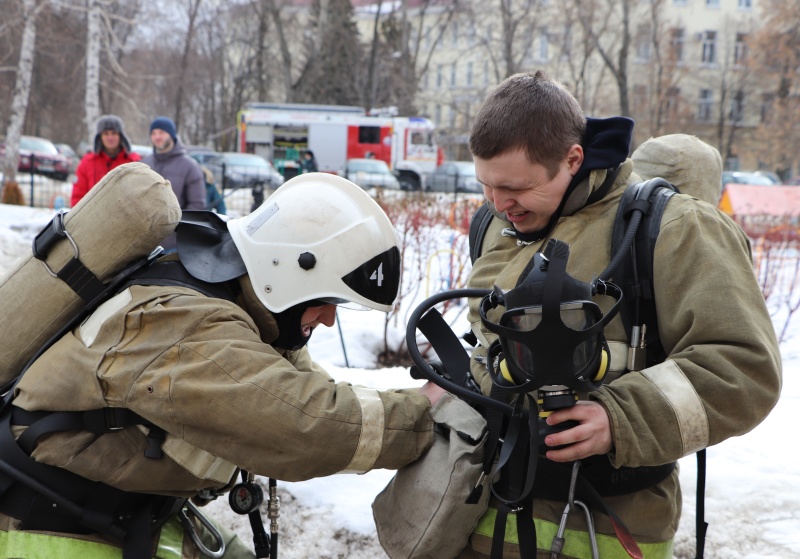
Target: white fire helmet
(319, 237)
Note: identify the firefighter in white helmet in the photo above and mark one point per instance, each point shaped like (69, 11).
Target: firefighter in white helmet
(197, 369)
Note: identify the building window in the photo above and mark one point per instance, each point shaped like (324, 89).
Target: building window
(639, 99)
(712, 3)
(767, 102)
(451, 122)
(679, 2)
(437, 115)
(485, 72)
(673, 98)
(678, 41)
(453, 74)
(643, 44)
(543, 50)
(566, 43)
(425, 80)
(705, 105)
(737, 107)
(746, 4)
(740, 49)
(709, 55)
(472, 33)
(439, 75)
(469, 74)
(454, 41)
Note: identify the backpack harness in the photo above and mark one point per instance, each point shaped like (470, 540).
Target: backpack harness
(633, 275)
(49, 498)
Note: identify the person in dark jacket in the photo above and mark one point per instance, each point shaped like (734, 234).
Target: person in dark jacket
(214, 200)
(171, 160)
(111, 149)
(309, 164)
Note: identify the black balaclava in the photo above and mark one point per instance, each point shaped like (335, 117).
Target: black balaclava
(290, 333)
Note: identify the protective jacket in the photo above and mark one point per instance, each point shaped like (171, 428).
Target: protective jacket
(721, 378)
(94, 167)
(203, 370)
(183, 173)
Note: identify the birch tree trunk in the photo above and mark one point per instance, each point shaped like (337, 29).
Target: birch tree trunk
(94, 36)
(22, 90)
(192, 11)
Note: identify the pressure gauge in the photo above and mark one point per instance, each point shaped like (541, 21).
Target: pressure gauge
(244, 498)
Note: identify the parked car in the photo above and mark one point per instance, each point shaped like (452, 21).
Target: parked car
(242, 170)
(454, 176)
(46, 159)
(201, 154)
(142, 150)
(770, 175)
(370, 173)
(743, 177)
(72, 157)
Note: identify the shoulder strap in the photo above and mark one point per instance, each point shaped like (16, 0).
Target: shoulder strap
(635, 274)
(173, 272)
(477, 230)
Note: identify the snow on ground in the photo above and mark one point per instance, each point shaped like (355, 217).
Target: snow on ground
(753, 483)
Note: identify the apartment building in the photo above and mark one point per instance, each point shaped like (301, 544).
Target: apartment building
(685, 69)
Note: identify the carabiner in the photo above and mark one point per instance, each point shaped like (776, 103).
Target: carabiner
(190, 529)
(558, 540)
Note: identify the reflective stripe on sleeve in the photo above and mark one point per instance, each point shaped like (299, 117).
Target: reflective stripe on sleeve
(688, 408)
(370, 441)
(576, 543)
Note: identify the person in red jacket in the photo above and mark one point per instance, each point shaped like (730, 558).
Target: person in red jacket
(111, 149)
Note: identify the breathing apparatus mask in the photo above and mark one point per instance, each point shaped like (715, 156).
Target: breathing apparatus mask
(550, 337)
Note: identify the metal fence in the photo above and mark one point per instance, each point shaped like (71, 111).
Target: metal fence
(39, 191)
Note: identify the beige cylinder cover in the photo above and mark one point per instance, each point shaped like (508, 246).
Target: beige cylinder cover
(123, 218)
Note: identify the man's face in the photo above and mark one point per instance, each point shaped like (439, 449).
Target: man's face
(314, 316)
(110, 140)
(524, 191)
(159, 138)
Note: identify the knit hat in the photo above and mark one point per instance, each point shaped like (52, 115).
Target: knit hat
(110, 122)
(165, 123)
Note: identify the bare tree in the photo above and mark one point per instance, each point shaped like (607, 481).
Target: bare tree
(576, 52)
(279, 25)
(608, 24)
(93, 40)
(369, 89)
(775, 59)
(192, 11)
(22, 90)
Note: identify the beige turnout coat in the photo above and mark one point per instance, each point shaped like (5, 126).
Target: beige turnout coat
(197, 367)
(722, 375)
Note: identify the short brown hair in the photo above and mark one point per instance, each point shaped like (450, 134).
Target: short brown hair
(532, 112)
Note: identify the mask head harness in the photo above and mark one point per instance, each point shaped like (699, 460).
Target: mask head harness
(551, 333)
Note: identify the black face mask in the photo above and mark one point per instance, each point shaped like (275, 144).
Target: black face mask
(552, 331)
(290, 332)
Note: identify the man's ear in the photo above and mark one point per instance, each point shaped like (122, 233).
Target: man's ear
(574, 158)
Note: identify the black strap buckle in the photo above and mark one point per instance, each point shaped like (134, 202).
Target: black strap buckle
(48, 237)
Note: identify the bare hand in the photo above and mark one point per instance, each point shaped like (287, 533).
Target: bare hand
(592, 436)
(432, 391)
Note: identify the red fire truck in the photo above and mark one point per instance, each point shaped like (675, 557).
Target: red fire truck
(283, 132)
